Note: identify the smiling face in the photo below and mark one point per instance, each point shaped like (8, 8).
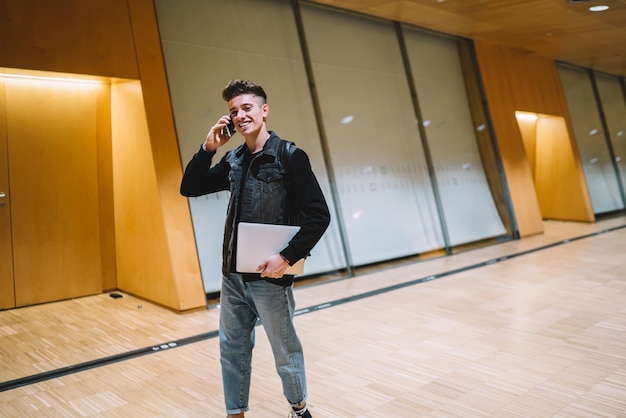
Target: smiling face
(248, 112)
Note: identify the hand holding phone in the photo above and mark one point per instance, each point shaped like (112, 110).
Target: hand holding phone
(219, 134)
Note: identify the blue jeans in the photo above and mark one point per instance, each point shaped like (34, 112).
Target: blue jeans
(241, 303)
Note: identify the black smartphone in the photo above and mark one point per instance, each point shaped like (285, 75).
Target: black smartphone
(230, 129)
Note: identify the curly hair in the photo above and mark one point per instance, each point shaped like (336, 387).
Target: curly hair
(238, 87)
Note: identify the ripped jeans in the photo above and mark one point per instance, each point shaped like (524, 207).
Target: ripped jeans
(241, 303)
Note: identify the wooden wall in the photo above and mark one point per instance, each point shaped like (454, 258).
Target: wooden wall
(183, 254)
(119, 39)
(516, 81)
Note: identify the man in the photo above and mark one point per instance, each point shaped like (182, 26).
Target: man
(260, 192)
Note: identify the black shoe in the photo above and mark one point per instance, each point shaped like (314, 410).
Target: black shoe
(299, 413)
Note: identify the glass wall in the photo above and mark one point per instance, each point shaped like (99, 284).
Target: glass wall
(468, 206)
(385, 194)
(385, 204)
(592, 141)
(613, 103)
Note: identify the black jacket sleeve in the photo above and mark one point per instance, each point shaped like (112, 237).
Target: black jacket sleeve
(312, 204)
(200, 178)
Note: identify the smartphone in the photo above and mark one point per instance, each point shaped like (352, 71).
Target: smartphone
(230, 129)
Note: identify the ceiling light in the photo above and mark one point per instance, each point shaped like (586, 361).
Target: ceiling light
(598, 8)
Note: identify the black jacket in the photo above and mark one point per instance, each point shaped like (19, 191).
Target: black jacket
(263, 189)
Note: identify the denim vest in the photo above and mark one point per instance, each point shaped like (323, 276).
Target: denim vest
(265, 196)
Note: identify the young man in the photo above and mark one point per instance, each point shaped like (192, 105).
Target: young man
(260, 192)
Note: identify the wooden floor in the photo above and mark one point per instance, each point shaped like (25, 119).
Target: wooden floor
(541, 333)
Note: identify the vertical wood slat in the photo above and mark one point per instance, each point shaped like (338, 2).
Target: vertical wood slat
(105, 191)
(7, 289)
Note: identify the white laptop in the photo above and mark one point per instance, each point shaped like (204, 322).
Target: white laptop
(257, 242)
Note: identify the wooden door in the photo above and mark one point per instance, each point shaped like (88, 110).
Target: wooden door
(7, 291)
(52, 155)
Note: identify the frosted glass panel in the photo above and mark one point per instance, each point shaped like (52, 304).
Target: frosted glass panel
(614, 108)
(591, 139)
(385, 195)
(204, 47)
(469, 209)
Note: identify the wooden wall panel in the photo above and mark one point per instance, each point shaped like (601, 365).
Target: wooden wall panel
(105, 191)
(148, 259)
(143, 264)
(528, 129)
(534, 82)
(558, 183)
(183, 253)
(516, 81)
(497, 84)
(552, 163)
(51, 132)
(82, 37)
(7, 289)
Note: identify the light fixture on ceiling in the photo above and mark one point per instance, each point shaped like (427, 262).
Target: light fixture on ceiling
(599, 8)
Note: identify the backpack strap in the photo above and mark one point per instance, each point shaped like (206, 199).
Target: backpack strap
(284, 153)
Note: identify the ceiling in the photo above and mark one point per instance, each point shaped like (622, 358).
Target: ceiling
(557, 29)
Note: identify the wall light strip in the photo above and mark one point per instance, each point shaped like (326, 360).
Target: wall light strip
(529, 116)
(599, 8)
(46, 78)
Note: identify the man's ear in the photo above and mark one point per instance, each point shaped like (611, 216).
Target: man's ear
(266, 109)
